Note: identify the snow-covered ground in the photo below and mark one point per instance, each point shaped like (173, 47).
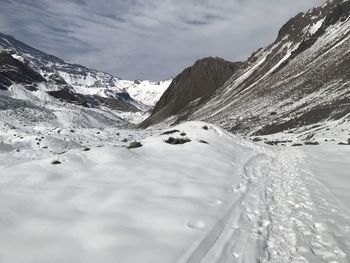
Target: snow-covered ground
(217, 198)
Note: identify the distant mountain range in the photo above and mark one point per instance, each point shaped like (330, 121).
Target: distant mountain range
(39, 77)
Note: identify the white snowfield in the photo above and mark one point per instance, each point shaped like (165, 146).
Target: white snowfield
(217, 198)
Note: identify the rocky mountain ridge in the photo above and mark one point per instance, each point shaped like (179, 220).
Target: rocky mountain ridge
(198, 81)
(298, 84)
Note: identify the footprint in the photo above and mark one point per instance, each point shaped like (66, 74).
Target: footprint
(239, 188)
(216, 202)
(318, 227)
(302, 250)
(196, 225)
(235, 255)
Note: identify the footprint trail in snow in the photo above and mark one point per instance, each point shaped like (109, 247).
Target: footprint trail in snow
(284, 216)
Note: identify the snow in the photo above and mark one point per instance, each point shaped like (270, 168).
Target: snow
(134, 117)
(147, 92)
(289, 47)
(104, 85)
(108, 203)
(227, 200)
(18, 57)
(315, 27)
(332, 165)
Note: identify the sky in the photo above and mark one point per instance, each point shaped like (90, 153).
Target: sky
(147, 39)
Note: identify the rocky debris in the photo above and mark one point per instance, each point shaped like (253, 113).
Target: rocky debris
(56, 162)
(57, 79)
(31, 87)
(297, 144)
(175, 141)
(169, 132)
(205, 128)
(277, 142)
(68, 95)
(203, 141)
(311, 143)
(134, 145)
(119, 103)
(271, 143)
(345, 143)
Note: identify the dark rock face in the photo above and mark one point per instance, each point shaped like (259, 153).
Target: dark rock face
(115, 104)
(14, 71)
(134, 145)
(169, 132)
(67, 95)
(176, 141)
(196, 82)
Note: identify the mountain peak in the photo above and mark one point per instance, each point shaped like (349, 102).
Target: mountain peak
(199, 81)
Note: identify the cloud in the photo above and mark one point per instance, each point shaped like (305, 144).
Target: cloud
(147, 39)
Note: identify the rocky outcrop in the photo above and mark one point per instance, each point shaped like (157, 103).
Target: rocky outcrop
(15, 71)
(197, 82)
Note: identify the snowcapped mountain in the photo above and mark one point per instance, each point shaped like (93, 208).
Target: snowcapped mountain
(146, 91)
(300, 83)
(35, 77)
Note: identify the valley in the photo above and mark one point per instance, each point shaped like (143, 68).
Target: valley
(244, 161)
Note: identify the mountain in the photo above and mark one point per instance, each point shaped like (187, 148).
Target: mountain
(36, 77)
(196, 82)
(78, 185)
(300, 83)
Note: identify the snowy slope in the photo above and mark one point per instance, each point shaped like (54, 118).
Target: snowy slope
(226, 200)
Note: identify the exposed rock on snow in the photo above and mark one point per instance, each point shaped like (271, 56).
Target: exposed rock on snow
(252, 203)
(175, 141)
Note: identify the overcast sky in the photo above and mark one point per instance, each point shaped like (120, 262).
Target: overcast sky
(147, 39)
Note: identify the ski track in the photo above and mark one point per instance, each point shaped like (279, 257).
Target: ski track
(284, 215)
